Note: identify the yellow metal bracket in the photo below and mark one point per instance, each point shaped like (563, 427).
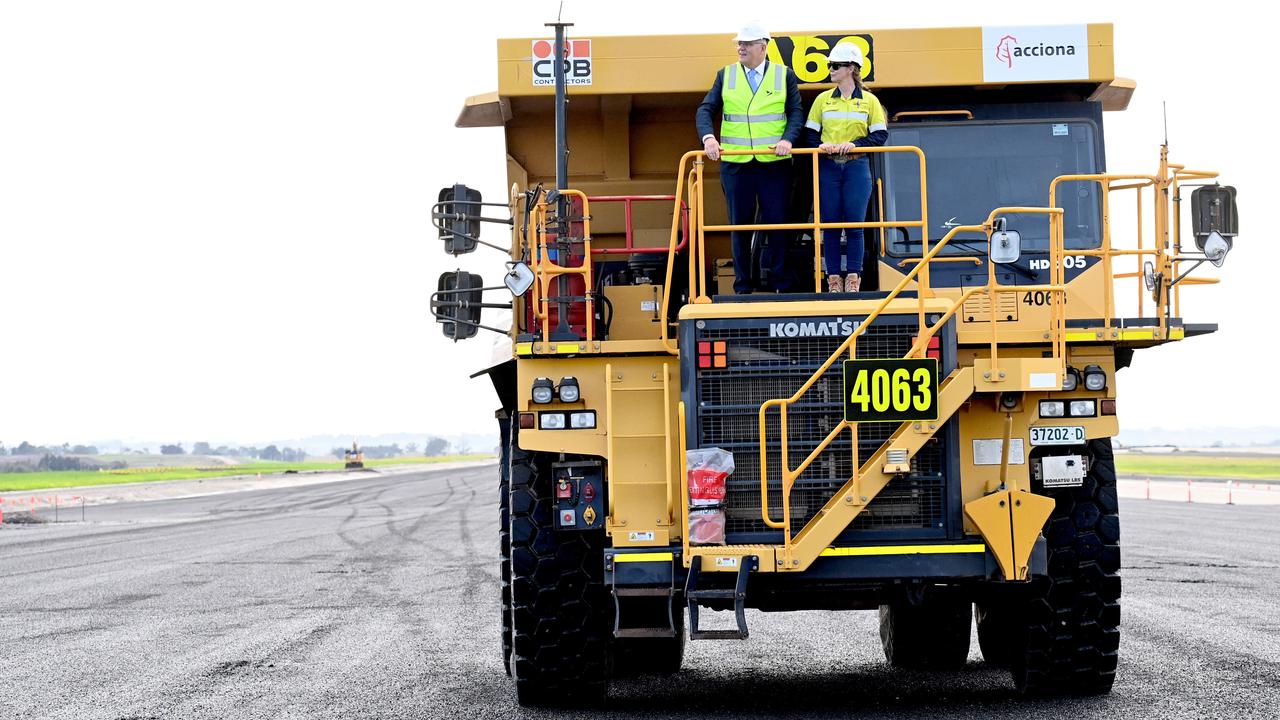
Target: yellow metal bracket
(1010, 521)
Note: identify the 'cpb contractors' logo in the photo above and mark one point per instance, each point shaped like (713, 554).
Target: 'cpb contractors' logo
(577, 62)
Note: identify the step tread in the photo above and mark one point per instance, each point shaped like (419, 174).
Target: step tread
(644, 633)
(717, 635)
(643, 591)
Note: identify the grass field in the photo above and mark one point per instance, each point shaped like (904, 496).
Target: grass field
(73, 478)
(1195, 465)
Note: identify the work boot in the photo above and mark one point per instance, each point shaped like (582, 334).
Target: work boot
(834, 284)
(852, 282)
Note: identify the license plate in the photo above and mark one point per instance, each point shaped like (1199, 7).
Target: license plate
(1065, 435)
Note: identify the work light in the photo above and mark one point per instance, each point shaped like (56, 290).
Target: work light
(1094, 378)
(1070, 380)
(543, 389)
(1052, 408)
(1083, 408)
(569, 391)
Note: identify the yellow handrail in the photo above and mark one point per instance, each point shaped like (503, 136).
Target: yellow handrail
(1056, 289)
(545, 270)
(693, 163)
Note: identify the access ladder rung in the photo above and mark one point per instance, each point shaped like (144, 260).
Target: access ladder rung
(644, 633)
(738, 595)
(712, 594)
(643, 592)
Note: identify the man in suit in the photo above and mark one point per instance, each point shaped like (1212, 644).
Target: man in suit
(760, 109)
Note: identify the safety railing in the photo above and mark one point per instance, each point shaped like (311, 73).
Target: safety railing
(689, 179)
(1166, 188)
(546, 270)
(1056, 288)
(1165, 184)
(629, 247)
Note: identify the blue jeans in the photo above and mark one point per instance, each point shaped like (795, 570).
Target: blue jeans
(766, 185)
(845, 190)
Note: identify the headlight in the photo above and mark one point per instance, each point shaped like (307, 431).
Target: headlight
(569, 390)
(582, 420)
(1052, 408)
(1070, 380)
(1083, 408)
(543, 389)
(1094, 378)
(551, 421)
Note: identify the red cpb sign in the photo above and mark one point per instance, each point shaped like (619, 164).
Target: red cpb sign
(577, 62)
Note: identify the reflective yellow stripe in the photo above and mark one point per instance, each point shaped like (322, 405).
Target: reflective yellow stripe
(904, 550)
(1175, 333)
(644, 557)
(561, 349)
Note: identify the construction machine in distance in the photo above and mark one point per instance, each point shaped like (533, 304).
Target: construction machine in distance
(353, 459)
(936, 447)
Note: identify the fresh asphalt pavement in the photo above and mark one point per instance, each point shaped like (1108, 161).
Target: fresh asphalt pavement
(378, 597)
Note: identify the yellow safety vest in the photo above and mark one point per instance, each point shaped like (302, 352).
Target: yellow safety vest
(753, 119)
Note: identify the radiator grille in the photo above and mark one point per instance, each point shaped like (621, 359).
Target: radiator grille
(761, 368)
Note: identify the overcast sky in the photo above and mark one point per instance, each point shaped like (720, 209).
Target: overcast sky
(214, 217)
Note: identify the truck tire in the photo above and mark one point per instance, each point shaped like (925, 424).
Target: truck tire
(504, 534)
(995, 632)
(651, 656)
(931, 635)
(1068, 627)
(561, 614)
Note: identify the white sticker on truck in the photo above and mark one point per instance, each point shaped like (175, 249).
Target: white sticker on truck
(987, 452)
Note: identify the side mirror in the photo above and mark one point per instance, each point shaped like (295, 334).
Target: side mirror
(1213, 211)
(1006, 246)
(457, 215)
(457, 304)
(1216, 248)
(519, 278)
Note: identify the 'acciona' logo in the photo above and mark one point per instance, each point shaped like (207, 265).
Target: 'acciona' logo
(1008, 48)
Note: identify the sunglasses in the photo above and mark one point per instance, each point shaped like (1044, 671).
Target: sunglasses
(749, 43)
(839, 65)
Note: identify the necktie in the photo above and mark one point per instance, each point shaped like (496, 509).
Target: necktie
(753, 77)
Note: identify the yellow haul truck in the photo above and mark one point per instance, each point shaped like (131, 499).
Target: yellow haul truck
(936, 446)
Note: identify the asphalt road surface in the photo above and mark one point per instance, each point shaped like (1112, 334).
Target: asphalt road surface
(378, 597)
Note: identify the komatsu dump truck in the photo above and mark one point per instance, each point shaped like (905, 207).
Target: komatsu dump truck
(935, 447)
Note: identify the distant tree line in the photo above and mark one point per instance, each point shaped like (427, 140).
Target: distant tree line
(431, 447)
(26, 448)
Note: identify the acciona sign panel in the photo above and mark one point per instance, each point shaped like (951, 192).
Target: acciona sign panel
(1028, 53)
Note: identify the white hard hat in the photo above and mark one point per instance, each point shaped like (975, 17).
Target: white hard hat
(753, 31)
(846, 52)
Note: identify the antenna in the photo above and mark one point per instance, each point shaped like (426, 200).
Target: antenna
(560, 11)
(1164, 111)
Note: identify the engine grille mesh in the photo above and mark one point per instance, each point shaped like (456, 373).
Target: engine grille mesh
(762, 368)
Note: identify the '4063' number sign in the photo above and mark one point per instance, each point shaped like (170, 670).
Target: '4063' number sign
(890, 390)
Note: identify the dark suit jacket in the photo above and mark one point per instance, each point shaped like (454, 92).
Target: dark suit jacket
(713, 104)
